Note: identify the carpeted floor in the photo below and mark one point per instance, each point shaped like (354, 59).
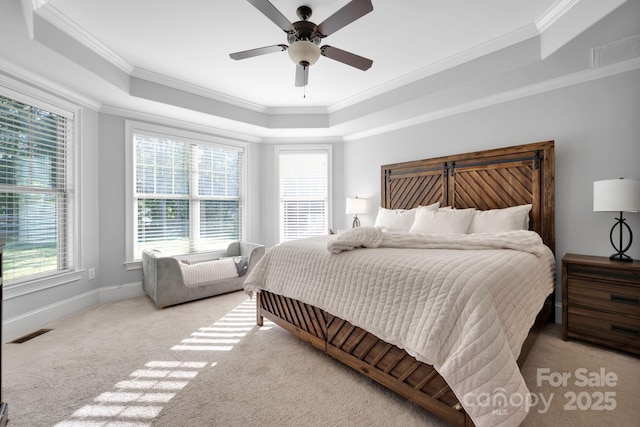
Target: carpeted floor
(205, 363)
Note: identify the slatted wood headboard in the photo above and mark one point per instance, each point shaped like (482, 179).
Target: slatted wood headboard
(488, 179)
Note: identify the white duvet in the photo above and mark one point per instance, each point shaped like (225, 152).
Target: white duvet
(462, 303)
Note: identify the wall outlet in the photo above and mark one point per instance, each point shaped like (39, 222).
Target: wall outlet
(92, 273)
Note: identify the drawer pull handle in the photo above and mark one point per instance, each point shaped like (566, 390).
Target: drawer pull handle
(625, 330)
(625, 299)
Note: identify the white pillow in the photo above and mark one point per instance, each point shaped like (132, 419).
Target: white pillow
(497, 220)
(444, 221)
(210, 271)
(399, 219)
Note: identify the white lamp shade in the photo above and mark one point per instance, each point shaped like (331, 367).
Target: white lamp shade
(304, 51)
(356, 206)
(616, 195)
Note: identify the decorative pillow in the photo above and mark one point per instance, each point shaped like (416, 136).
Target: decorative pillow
(496, 220)
(445, 221)
(209, 271)
(399, 219)
(242, 264)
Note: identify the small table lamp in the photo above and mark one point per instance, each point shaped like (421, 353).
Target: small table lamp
(617, 195)
(354, 207)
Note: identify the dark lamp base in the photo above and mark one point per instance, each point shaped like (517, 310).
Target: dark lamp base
(621, 258)
(620, 255)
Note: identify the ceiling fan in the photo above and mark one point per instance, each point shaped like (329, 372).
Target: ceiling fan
(304, 37)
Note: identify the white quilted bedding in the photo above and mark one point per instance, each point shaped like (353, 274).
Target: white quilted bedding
(464, 305)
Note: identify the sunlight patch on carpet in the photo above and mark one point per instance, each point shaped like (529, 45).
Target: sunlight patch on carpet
(203, 347)
(136, 401)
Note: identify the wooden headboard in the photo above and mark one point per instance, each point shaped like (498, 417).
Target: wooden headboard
(488, 179)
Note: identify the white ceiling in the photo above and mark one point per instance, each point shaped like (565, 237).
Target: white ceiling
(191, 41)
(170, 59)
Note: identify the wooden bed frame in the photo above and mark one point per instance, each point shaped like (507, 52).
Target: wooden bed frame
(490, 179)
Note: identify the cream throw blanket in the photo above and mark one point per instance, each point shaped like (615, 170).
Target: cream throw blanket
(374, 237)
(466, 312)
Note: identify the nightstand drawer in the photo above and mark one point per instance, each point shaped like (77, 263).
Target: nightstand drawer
(605, 326)
(611, 272)
(605, 296)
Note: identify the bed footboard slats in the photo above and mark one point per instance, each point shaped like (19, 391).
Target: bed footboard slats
(303, 320)
(384, 363)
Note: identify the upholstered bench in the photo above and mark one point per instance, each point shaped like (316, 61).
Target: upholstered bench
(169, 281)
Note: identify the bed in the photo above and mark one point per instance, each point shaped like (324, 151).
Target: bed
(485, 180)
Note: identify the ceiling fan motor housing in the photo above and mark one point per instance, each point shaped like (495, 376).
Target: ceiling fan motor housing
(306, 30)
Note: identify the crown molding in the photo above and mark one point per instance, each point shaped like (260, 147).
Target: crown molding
(188, 125)
(171, 82)
(516, 36)
(63, 23)
(288, 140)
(28, 79)
(555, 12)
(512, 95)
(295, 110)
(37, 4)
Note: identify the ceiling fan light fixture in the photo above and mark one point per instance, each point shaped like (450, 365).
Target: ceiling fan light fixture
(304, 53)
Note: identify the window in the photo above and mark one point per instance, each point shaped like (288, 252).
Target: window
(303, 191)
(187, 193)
(35, 190)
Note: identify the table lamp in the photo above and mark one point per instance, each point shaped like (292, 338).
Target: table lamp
(355, 207)
(618, 195)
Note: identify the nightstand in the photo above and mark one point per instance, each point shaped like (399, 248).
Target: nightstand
(601, 301)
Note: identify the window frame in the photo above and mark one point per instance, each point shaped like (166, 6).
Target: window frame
(35, 97)
(303, 149)
(133, 127)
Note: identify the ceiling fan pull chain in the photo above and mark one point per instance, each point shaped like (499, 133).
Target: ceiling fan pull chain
(306, 79)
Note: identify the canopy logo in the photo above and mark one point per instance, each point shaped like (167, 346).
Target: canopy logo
(591, 396)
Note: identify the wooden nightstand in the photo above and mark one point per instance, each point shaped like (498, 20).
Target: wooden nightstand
(601, 301)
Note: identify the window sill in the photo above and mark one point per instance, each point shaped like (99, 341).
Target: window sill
(24, 288)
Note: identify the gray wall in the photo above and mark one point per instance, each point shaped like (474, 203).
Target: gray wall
(594, 124)
(596, 129)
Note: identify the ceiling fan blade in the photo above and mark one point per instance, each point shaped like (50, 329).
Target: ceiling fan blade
(302, 76)
(350, 12)
(345, 57)
(273, 14)
(257, 52)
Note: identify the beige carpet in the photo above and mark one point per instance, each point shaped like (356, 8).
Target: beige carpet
(129, 364)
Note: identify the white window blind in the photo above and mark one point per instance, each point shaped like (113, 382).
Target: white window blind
(35, 194)
(304, 194)
(188, 195)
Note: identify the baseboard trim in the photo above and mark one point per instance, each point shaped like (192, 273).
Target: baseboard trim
(120, 292)
(25, 323)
